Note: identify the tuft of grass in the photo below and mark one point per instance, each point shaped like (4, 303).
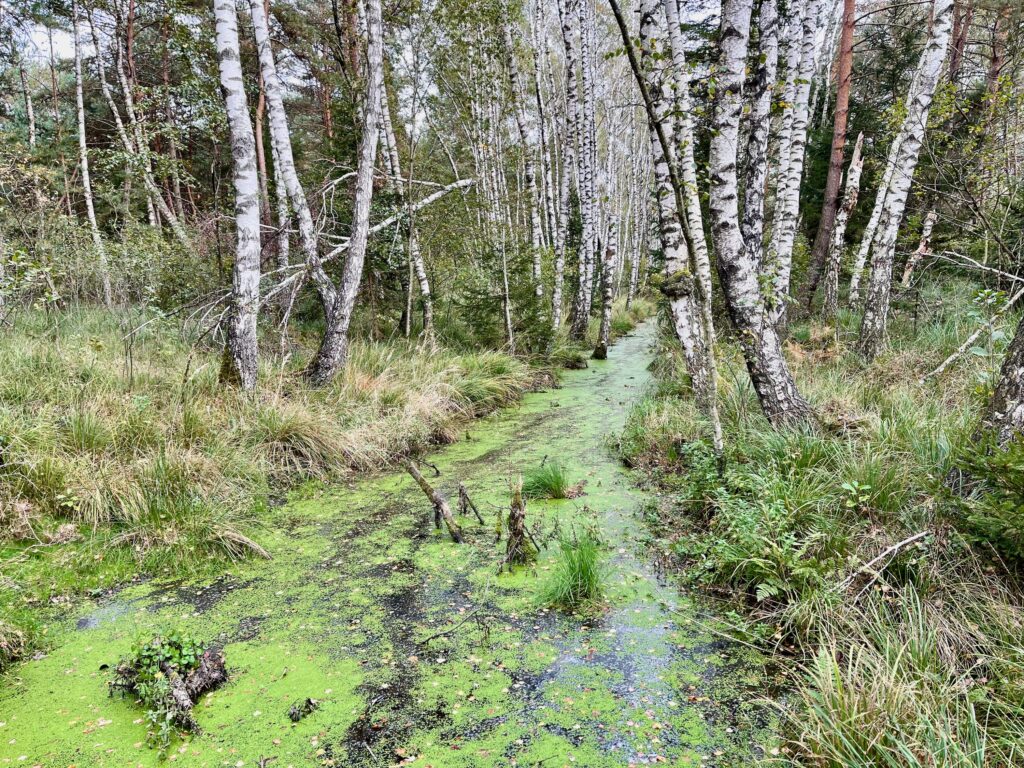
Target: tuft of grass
(550, 480)
(576, 581)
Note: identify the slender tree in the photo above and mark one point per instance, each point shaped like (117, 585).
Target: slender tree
(240, 355)
(833, 261)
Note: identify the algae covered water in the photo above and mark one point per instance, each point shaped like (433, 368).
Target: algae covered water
(416, 650)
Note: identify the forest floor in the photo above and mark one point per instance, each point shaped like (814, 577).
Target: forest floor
(349, 610)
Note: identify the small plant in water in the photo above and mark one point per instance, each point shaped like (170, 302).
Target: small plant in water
(576, 582)
(166, 674)
(550, 481)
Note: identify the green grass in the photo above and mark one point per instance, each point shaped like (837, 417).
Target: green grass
(550, 480)
(576, 581)
(167, 473)
(917, 659)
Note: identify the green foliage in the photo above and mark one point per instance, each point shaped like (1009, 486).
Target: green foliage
(995, 509)
(145, 674)
(576, 580)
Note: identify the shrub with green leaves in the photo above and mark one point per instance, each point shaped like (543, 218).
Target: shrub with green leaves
(166, 674)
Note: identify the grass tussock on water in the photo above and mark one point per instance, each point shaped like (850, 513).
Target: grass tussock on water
(122, 461)
(844, 546)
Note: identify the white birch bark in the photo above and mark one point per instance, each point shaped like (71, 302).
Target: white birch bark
(837, 244)
(240, 355)
(413, 244)
(281, 143)
(83, 159)
(685, 141)
(30, 112)
(527, 139)
(570, 153)
(587, 182)
(780, 255)
(333, 349)
(759, 340)
(755, 160)
(679, 289)
(1005, 412)
(924, 247)
(877, 298)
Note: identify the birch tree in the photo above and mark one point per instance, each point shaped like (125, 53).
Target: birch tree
(607, 290)
(911, 137)
(759, 341)
(83, 161)
(240, 355)
(570, 150)
(924, 247)
(281, 147)
(333, 349)
(829, 211)
(837, 244)
(791, 163)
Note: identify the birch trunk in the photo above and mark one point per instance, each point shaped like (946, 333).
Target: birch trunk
(334, 345)
(415, 256)
(587, 182)
(755, 160)
(678, 287)
(788, 203)
(281, 146)
(924, 248)
(837, 244)
(1005, 412)
(570, 153)
(685, 142)
(823, 238)
(30, 112)
(528, 142)
(876, 304)
(83, 158)
(759, 341)
(607, 284)
(240, 355)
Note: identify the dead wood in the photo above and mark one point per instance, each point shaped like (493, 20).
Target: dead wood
(441, 508)
(466, 503)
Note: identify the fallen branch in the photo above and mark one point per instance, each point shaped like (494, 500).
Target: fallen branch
(962, 349)
(869, 566)
(466, 503)
(450, 630)
(441, 508)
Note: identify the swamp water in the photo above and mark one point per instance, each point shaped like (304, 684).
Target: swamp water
(360, 579)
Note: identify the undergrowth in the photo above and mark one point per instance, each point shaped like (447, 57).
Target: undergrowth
(845, 546)
(576, 580)
(550, 480)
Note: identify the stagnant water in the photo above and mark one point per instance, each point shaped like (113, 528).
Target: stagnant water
(359, 583)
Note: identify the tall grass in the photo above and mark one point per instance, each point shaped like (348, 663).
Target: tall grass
(912, 654)
(167, 471)
(550, 480)
(576, 581)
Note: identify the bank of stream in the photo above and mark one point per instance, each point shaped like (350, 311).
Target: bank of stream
(359, 584)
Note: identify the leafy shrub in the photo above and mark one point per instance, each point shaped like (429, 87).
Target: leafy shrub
(995, 511)
(166, 674)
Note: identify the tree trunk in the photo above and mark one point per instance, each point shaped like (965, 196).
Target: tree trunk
(1005, 412)
(761, 346)
(823, 238)
(755, 161)
(876, 305)
(607, 284)
(838, 241)
(780, 256)
(924, 248)
(333, 349)
(281, 146)
(83, 157)
(570, 153)
(587, 182)
(30, 112)
(528, 142)
(240, 356)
